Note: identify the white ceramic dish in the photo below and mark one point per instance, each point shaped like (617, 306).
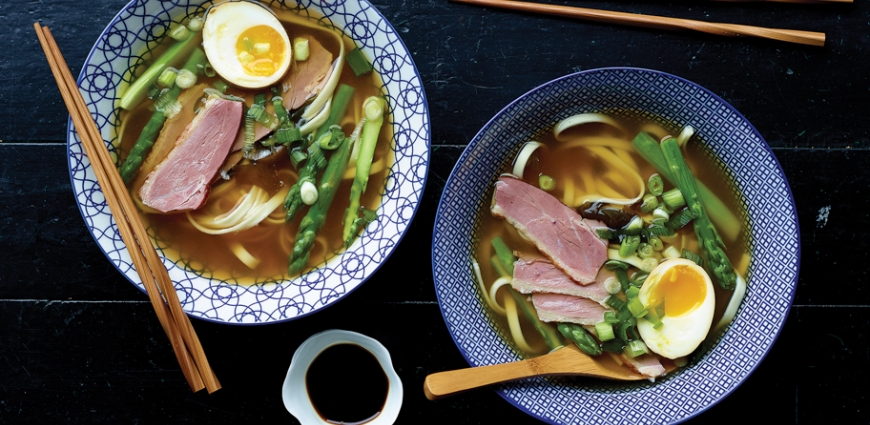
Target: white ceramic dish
(295, 394)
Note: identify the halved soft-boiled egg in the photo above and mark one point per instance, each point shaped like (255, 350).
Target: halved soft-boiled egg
(685, 292)
(246, 44)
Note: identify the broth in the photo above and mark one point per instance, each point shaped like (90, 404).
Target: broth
(564, 164)
(270, 241)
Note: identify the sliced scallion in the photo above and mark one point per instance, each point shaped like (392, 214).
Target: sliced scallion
(179, 32)
(505, 255)
(358, 62)
(185, 79)
(673, 199)
(167, 77)
(546, 183)
(604, 331)
(650, 202)
(635, 348)
(300, 49)
(629, 245)
(655, 184)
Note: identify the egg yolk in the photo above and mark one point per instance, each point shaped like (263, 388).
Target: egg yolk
(260, 50)
(681, 289)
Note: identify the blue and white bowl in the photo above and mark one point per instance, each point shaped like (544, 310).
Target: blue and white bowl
(739, 151)
(105, 72)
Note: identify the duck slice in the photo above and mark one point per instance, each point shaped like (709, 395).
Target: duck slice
(181, 181)
(567, 308)
(538, 274)
(307, 78)
(556, 230)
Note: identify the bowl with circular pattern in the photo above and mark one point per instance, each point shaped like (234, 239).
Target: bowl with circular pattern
(126, 45)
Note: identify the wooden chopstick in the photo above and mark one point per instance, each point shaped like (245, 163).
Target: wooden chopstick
(659, 22)
(176, 324)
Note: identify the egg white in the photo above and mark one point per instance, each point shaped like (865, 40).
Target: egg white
(679, 335)
(224, 24)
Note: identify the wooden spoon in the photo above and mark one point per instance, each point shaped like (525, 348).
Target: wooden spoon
(564, 361)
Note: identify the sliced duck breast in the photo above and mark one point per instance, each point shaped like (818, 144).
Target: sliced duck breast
(567, 308)
(556, 230)
(180, 182)
(647, 365)
(538, 274)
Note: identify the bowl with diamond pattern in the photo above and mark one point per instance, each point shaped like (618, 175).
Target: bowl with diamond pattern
(734, 146)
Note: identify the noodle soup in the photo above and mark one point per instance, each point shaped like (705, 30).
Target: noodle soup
(259, 252)
(588, 165)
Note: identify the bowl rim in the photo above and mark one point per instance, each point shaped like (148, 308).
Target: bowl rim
(425, 132)
(764, 146)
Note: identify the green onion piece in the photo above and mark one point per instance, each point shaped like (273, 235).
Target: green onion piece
(634, 226)
(645, 250)
(631, 293)
(505, 255)
(622, 276)
(605, 233)
(316, 155)
(546, 183)
(656, 242)
(221, 86)
(612, 285)
(639, 277)
(167, 77)
(674, 199)
(179, 32)
(691, 256)
(195, 23)
(671, 252)
(655, 184)
(636, 307)
(604, 331)
(615, 302)
(610, 317)
(208, 70)
(635, 348)
(297, 155)
(649, 264)
(658, 230)
(288, 134)
(185, 79)
(613, 346)
(653, 317)
(681, 219)
(650, 202)
(629, 245)
(615, 265)
(625, 329)
(661, 213)
(358, 62)
(300, 49)
(331, 139)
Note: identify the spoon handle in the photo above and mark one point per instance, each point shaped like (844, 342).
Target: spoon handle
(442, 384)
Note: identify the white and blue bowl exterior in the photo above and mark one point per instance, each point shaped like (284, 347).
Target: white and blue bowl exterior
(737, 149)
(106, 72)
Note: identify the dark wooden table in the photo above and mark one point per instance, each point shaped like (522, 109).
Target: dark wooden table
(80, 344)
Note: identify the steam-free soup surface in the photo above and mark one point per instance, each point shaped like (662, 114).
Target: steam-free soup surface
(270, 241)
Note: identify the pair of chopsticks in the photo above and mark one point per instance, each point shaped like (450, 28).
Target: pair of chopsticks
(660, 22)
(175, 322)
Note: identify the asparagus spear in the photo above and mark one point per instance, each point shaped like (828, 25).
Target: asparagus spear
(708, 238)
(136, 92)
(316, 215)
(373, 108)
(648, 148)
(293, 201)
(155, 124)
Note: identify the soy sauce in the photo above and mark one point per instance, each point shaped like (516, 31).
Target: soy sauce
(346, 384)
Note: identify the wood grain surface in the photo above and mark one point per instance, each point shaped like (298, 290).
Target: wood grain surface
(80, 344)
